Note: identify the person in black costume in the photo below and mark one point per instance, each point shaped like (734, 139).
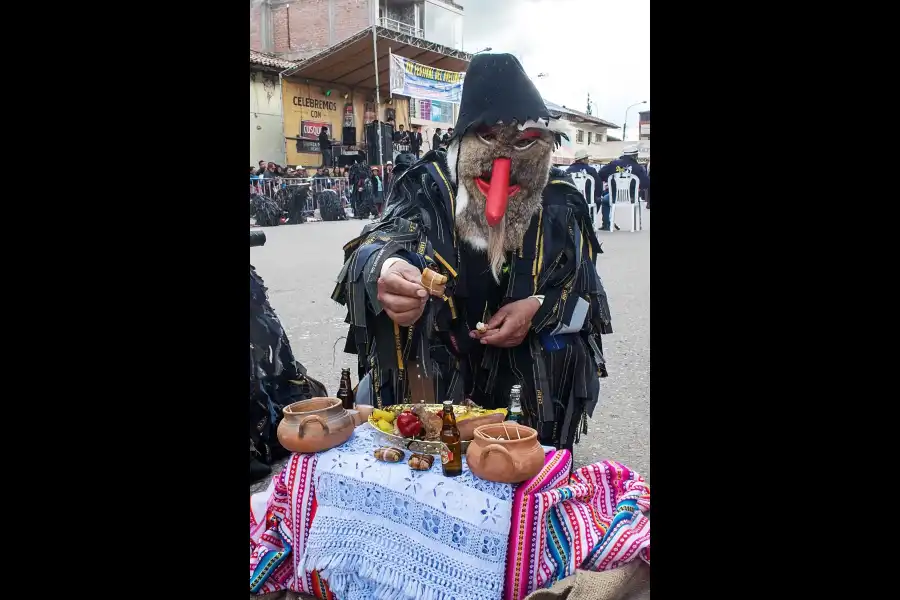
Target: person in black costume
(293, 199)
(362, 196)
(515, 240)
(276, 380)
(265, 210)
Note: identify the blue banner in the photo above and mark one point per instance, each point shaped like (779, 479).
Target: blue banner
(409, 78)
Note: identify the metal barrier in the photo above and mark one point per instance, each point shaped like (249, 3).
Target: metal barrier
(271, 187)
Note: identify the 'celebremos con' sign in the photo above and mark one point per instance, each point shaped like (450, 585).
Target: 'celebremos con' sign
(314, 103)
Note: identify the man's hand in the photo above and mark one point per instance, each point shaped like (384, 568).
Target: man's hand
(401, 293)
(509, 326)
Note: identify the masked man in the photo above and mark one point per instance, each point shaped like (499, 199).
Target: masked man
(523, 304)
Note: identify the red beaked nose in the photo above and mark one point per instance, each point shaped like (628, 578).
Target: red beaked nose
(498, 191)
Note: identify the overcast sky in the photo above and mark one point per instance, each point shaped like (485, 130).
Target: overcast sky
(596, 46)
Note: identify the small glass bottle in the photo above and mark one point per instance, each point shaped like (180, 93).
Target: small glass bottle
(345, 390)
(451, 445)
(515, 404)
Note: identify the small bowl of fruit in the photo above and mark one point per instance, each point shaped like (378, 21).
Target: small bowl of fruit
(417, 427)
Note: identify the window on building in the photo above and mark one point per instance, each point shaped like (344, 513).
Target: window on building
(443, 24)
(589, 137)
(579, 136)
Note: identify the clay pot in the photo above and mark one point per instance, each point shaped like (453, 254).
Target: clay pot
(315, 425)
(505, 461)
(468, 426)
(364, 412)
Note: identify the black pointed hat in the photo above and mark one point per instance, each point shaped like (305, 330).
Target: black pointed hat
(496, 89)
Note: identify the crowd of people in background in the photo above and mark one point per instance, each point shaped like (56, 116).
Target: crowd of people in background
(439, 141)
(628, 162)
(365, 189)
(273, 171)
(357, 186)
(402, 137)
(369, 187)
(413, 139)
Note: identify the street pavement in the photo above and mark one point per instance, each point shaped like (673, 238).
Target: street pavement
(299, 264)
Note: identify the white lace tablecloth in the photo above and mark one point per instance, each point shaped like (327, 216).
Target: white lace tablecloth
(385, 531)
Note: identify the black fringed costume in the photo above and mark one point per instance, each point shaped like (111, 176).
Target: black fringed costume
(265, 210)
(293, 199)
(276, 379)
(559, 362)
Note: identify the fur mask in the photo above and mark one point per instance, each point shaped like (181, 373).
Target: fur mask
(495, 201)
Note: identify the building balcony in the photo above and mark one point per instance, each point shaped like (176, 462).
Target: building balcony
(438, 21)
(401, 27)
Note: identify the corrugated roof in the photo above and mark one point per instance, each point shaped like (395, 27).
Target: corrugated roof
(553, 107)
(351, 62)
(267, 60)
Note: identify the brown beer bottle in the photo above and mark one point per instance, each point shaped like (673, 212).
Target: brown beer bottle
(345, 390)
(451, 446)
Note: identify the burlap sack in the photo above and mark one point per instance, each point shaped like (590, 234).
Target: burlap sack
(631, 582)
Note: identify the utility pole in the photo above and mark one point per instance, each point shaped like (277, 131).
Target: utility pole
(625, 123)
(589, 104)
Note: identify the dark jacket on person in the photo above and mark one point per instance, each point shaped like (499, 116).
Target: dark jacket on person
(625, 164)
(435, 141)
(557, 260)
(415, 141)
(324, 142)
(584, 167)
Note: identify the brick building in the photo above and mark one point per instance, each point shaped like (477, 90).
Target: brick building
(298, 29)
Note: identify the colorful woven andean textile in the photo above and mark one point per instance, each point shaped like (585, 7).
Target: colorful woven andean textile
(280, 519)
(593, 521)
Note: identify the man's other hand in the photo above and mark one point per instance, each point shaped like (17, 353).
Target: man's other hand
(509, 325)
(401, 293)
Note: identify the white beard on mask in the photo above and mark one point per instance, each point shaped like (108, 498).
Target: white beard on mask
(476, 241)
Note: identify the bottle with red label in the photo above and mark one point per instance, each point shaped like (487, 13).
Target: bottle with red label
(451, 445)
